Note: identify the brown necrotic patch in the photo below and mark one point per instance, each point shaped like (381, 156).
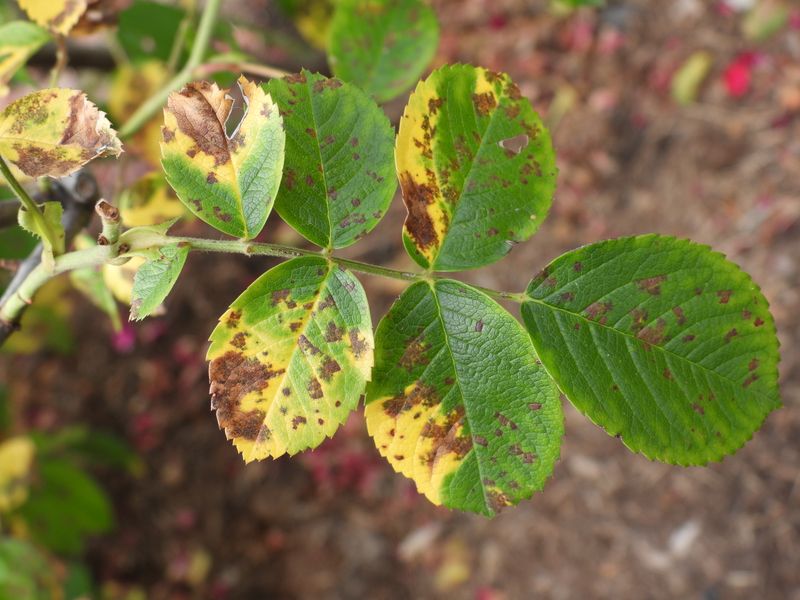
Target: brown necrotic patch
(417, 198)
(233, 377)
(414, 355)
(201, 110)
(651, 285)
(358, 343)
(329, 367)
(446, 437)
(484, 103)
(333, 333)
(35, 161)
(314, 388)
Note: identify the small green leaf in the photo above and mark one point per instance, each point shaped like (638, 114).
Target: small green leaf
(51, 246)
(458, 401)
(19, 40)
(154, 279)
(228, 181)
(290, 358)
(476, 167)
(89, 281)
(339, 170)
(659, 341)
(25, 572)
(382, 46)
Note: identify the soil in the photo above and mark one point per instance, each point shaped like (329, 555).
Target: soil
(338, 522)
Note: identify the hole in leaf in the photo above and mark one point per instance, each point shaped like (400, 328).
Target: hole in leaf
(238, 110)
(514, 145)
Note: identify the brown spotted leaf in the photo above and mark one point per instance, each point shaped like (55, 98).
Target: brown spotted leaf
(54, 132)
(476, 167)
(661, 342)
(229, 181)
(290, 359)
(458, 401)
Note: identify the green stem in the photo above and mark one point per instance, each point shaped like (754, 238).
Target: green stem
(184, 76)
(13, 307)
(28, 203)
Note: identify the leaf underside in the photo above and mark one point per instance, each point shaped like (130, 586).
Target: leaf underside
(339, 168)
(291, 357)
(476, 168)
(661, 342)
(458, 401)
(382, 47)
(230, 182)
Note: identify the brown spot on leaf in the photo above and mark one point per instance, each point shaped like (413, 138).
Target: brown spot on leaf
(479, 326)
(314, 388)
(724, 296)
(358, 343)
(333, 333)
(239, 340)
(329, 367)
(753, 365)
(698, 409)
(667, 374)
(651, 285)
(730, 335)
(598, 311)
(680, 316)
(484, 103)
(417, 197)
(505, 421)
(297, 421)
(758, 322)
(232, 320)
(278, 296)
(307, 346)
(201, 110)
(752, 378)
(577, 267)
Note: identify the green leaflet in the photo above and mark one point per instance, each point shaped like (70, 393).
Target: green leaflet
(25, 571)
(458, 401)
(154, 279)
(228, 181)
(382, 46)
(291, 357)
(19, 40)
(52, 212)
(339, 169)
(659, 341)
(476, 167)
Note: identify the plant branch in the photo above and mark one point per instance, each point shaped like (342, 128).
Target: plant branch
(266, 71)
(184, 76)
(62, 56)
(28, 203)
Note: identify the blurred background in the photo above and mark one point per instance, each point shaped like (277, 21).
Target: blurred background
(674, 117)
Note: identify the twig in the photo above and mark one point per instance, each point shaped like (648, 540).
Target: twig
(77, 193)
(62, 56)
(266, 71)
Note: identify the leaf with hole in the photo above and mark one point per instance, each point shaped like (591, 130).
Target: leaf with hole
(290, 359)
(339, 169)
(19, 40)
(155, 278)
(476, 168)
(54, 132)
(382, 46)
(229, 181)
(661, 342)
(458, 401)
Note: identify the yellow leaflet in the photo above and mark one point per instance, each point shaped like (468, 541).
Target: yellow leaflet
(54, 132)
(419, 441)
(16, 459)
(149, 201)
(59, 16)
(119, 279)
(133, 84)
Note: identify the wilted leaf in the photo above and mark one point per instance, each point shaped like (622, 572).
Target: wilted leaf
(54, 132)
(476, 167)
(52, 213)
(154, 279)
(19, 40)
(339, 168)
(458, 401)
(659, 341)
(382, 46)
(149, 201)
(290, 358)
(132, 85)
(230, 182)
(59, 16)
(16, 460)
